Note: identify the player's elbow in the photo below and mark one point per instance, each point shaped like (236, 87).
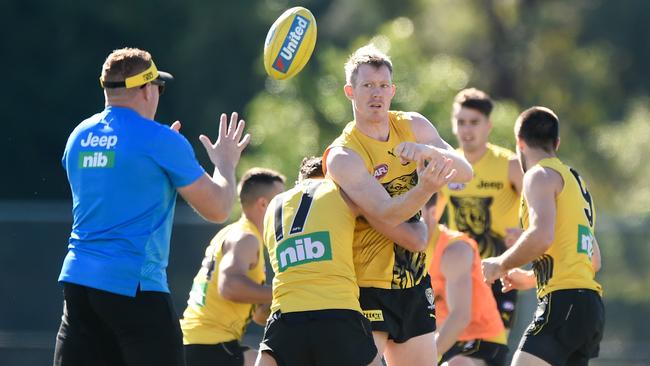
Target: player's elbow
(464, 174)
(228, 290)
(216, 216)
(418, 244)
(388, 216)
(213, 210)
(217, 211)
(413, 245)
(542, 238)
(464, 171)
(421, 246)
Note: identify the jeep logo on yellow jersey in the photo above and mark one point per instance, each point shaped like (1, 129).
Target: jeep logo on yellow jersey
(303, 249)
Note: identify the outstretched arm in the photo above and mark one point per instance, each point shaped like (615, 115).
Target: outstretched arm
(213, 197)
(541, 186)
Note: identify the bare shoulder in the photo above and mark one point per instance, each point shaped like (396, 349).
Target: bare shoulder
(423, 129)
(341, 159)
(541, 178)
(457, 258)
(513, 162)
(459, 251)
(242, 240)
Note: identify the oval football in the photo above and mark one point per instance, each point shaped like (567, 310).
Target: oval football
(289, 43)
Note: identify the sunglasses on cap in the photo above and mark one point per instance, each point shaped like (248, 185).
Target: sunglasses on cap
(159, 83)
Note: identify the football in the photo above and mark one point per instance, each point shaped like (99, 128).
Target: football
(289, 43)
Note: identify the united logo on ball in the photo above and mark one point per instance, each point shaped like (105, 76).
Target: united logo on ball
(289, 43)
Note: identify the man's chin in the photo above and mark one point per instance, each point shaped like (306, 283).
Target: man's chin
(469, 147)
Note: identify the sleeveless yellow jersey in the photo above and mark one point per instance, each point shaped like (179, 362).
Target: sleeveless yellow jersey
(488, 204)
(567, 263)
(209, 318)
(378, 261)
(308, 232)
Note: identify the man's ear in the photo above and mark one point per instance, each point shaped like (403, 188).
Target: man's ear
(349, 92)
(148, 91)
(263, 203)
(557, 144)
(520, 143)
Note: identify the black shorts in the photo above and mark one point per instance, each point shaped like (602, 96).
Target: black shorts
(567, 327)
(223, 354)
(321, 337)
(103, 328)
(506, 303)
(494, 354)
(404, 314)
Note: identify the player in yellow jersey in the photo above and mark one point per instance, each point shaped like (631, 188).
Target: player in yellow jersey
(375, 161)
(558, 216)
(231, 280)
(316, 317)
(486, 207)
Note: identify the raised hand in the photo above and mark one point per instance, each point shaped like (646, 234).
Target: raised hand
(227, 150)
(436, 174)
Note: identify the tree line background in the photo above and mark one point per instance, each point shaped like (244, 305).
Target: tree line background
(586, 59)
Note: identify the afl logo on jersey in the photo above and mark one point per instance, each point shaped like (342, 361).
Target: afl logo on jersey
(380, 171)
(456, 186)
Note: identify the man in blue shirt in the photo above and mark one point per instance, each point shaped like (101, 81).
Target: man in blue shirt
(125, 170)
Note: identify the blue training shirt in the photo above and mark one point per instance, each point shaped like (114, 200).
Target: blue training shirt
(123, 170)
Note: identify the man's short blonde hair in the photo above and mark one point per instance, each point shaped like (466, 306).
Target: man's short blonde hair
(125, 62)
(366, 55)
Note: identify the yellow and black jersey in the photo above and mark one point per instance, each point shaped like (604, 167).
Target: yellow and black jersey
(567, 263)
(485, 206)
(378, 261)
(209, 318)
(308, 232)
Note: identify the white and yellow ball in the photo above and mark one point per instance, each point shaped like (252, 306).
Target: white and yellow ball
(289, 43)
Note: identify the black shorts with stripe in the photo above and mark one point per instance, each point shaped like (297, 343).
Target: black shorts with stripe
(319, 338)
(494, 354)
(567, 327)
(224, 354)
(403, 313)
